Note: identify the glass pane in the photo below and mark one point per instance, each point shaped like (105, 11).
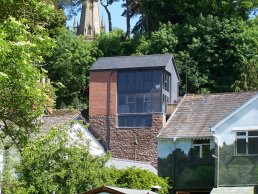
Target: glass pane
(196, 152)
(147, 97)
(139, 103)
(253, 145)
(156, 102)
(252, 133)
(139, 121)
(147, 107)
(130, 98)
(241, 146)
(122, 103)
(130, 108)
(157, 79)
(139, 81)
(121, 81)
(130, 121)
(121, 121)
(206, 152)
(147, 121)
(241, 133)
(131, 80)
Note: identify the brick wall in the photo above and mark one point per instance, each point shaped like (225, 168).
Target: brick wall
(103, 89)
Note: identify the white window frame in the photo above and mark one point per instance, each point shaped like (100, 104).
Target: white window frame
(246, 137)
(200, 145)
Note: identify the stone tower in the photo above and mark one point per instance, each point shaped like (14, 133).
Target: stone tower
(89, 22)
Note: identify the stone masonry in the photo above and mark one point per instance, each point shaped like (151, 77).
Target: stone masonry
(138, 144)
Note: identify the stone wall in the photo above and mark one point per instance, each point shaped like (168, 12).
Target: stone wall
(138, 144)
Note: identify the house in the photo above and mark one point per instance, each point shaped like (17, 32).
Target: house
(128, 103)
(117, 190)
(210, 144)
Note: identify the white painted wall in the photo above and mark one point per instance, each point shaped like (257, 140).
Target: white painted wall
(245, 119)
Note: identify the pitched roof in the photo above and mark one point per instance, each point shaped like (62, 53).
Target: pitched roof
(58, 118)
(233, 190)
(196, 114)
(127, 62)
(118, 190)
(123, 163)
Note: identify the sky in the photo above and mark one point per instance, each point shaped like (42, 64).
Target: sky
(116, 10)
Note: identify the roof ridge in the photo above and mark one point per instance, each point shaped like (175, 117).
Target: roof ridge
(121, 56)
(221, 93)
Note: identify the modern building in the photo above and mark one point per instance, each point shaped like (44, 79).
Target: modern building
(210, 144)
(128, 103)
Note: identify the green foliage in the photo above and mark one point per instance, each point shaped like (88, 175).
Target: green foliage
(114, 44)
(22, 97)
(177, 11)
(34, 13)
(69, 65)
(60, 161)
(136, 178)
(221, 55)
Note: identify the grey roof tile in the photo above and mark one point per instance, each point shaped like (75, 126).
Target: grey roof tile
(59, 118)
(195, 114)
(126, 62)
(124, 163)
(233, 190)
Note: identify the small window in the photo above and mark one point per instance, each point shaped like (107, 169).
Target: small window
(246, 143)
(201, 149)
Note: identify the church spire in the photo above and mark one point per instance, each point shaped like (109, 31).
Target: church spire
(89, 21)
(103, 25)
(75, 23)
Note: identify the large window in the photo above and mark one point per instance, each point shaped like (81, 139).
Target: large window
(139, 95)
(246, 142)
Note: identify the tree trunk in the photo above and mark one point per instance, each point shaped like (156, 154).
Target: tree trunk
(128, 20)
(109, 16)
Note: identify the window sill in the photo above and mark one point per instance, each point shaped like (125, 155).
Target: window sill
(144, 127)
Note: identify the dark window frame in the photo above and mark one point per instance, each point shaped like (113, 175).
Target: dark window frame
(134, 82)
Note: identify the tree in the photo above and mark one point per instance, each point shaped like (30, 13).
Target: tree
(131, 9)
(69, 65)
(136, 178)
(114, 44)
(23, 98)
(60, 161)
(105, 4)
(34, 13)
(217, 55)
(155, 12)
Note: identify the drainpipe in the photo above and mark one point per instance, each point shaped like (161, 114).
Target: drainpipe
(109, 110)
(217, 157)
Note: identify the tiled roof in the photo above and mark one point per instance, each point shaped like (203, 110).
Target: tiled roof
(123, 163)
(195, 114)
(233, 190)
(126, 62)
(58, 118)
(118, 190)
